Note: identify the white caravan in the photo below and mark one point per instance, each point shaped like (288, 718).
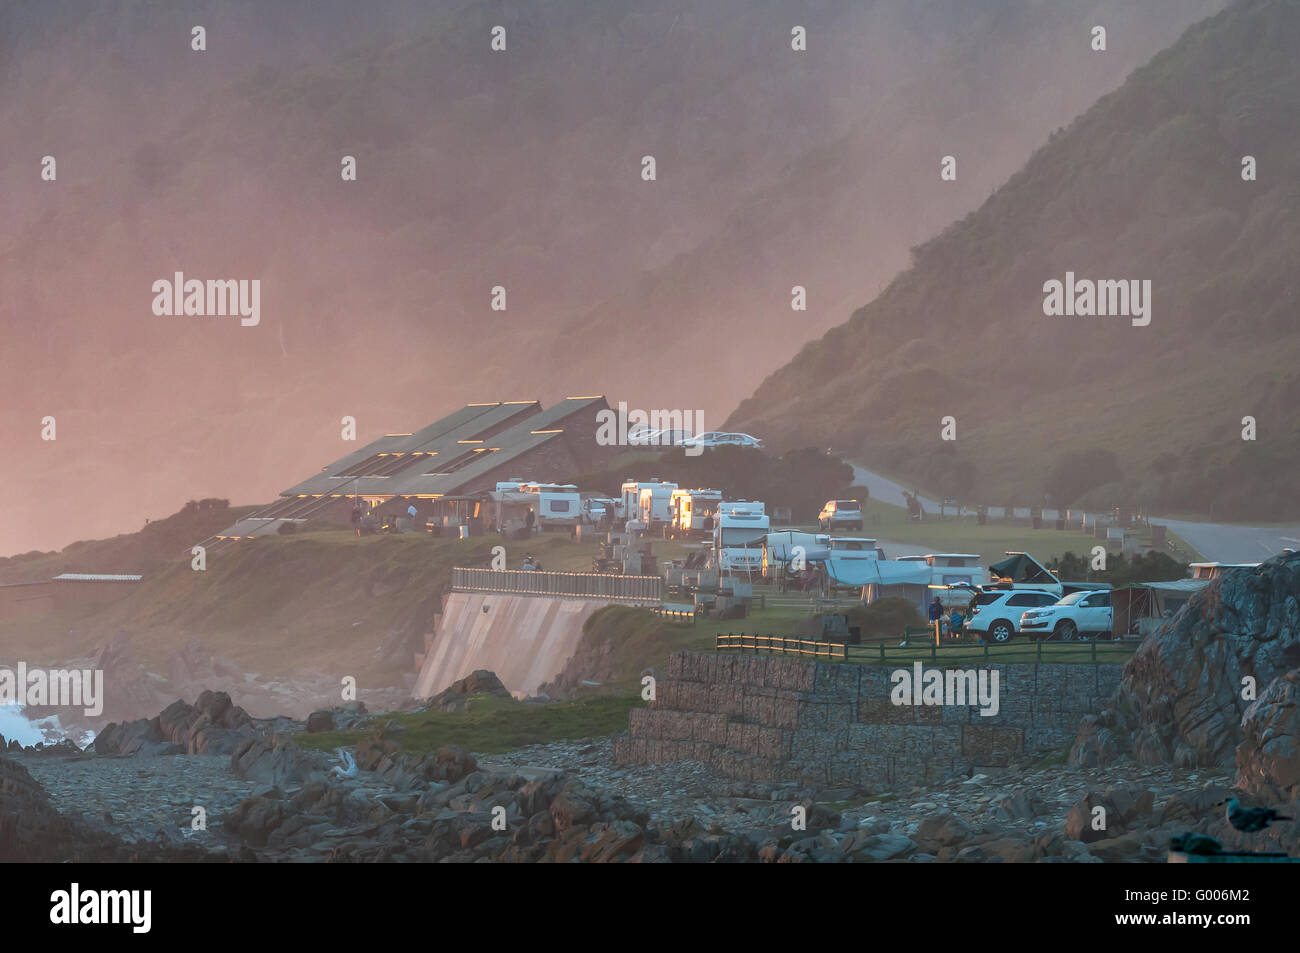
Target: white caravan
(647, 501)
(853, 547)
(558, 505)
(739, 531)
(691, 513)
(951, 569)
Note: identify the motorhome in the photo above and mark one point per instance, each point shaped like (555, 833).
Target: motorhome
(951, 569)
(647, 501)
(739, 530)
(690, 513)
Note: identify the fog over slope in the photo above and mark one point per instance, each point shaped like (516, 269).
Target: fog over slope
(475, 169)
(1146, 185)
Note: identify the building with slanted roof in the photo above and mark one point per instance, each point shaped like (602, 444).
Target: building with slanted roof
(448, 463)
(30, 599)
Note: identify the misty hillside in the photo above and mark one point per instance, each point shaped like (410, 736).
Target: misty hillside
(1146, 185)
(474, 169)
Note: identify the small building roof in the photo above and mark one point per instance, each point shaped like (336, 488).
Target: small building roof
(97, 577)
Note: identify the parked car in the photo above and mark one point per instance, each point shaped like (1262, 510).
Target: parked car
(997, 612)
(840, 514)
(719, 438)
(642, 437)
(1085, 614)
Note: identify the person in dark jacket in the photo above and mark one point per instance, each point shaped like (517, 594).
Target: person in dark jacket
(935, 612)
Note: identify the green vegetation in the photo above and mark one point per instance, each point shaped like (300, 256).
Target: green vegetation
(1120, 571)
(1146, 185)
(491, 725)
(885, 618)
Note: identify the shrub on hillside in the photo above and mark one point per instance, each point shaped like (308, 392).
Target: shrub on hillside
(885, 618)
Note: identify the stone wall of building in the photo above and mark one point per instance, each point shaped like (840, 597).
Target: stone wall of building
(768, 718)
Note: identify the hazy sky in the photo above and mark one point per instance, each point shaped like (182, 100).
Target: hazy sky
(475, 169)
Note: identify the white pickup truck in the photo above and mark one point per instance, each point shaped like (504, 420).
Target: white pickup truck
(1078, 614)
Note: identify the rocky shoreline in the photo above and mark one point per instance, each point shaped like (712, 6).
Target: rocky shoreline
(134, 793)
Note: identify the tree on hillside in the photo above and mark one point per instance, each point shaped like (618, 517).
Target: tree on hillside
(1079, 471)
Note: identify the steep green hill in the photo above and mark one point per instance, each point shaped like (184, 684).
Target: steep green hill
(1146, 185)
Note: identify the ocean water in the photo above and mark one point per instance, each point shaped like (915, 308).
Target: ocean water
(16, 726)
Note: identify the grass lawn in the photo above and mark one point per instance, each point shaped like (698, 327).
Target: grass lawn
(953, 534)
(492, 725)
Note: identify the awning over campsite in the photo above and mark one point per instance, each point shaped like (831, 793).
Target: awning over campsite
(880, 572)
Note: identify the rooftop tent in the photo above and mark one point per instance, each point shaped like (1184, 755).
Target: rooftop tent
(1023, 568)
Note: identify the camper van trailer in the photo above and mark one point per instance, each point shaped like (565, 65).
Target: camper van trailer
(647, 501)
(739, 530)
(951, 569)
(781, 549)
(1215, 570)
(852, 547)
(558, 505)
(690, 513)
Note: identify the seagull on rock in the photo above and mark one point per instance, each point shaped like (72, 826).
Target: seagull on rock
(1250, 819)
(349, 768)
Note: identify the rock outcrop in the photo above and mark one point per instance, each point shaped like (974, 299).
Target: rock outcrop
(1180, 699)
(212, 725)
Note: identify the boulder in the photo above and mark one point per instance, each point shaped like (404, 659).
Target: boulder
(882, 847)
(274, 760)
(941, 830)
(1268, 758)
(1124, 808)
(1114, 850)
(322, 720)
(457, 696)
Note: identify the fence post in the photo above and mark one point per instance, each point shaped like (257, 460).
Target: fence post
(1040, 649)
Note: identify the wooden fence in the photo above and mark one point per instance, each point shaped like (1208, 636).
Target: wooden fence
(880, 653)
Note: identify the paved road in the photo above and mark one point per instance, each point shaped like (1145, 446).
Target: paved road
(1217, 542)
